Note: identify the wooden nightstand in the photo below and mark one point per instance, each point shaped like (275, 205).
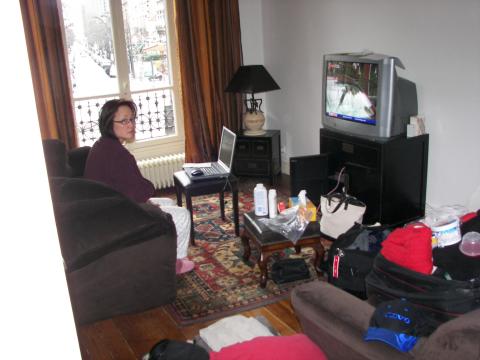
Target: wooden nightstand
(258, 156)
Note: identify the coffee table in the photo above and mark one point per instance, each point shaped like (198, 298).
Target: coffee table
(268, 241)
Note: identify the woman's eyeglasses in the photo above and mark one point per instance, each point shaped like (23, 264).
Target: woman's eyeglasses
(125, 122)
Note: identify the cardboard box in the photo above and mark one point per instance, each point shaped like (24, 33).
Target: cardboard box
(293, 201)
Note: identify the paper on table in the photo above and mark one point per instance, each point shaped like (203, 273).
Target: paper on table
(197, 165)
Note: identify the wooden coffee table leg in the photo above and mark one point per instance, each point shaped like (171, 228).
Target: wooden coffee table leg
(246, 246)
(318, 259)
(262, 264)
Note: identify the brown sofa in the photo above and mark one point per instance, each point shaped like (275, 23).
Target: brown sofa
(119, 256)
(336, 321)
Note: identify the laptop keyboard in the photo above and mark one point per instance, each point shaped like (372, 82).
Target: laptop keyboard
(212, 170)
(209, 171)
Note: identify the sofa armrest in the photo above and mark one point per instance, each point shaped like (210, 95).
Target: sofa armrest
(454, 339)
(337, 321)
(93, 220)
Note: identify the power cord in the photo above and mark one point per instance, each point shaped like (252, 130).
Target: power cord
(338, 180)
(342, 170)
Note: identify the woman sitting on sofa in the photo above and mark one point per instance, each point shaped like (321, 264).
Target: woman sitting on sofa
(111, 163)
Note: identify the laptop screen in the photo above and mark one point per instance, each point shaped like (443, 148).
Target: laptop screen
(227, 147)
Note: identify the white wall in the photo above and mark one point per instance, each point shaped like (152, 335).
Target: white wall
(35, 312)
(252, 42)
(437, 40)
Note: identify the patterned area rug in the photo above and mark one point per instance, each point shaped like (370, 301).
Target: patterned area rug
(223, 284)
(208, 223)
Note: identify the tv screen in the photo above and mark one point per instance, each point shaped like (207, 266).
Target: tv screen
(351, 91)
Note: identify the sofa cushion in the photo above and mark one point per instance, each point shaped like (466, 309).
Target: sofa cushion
(77, 158)
(113, 220)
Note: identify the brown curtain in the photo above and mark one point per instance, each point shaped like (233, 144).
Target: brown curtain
(210, 52)
(44, 35)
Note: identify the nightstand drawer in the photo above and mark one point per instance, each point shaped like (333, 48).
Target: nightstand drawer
(258, 156)
(243, 148)
(252, 167)
(261, 148)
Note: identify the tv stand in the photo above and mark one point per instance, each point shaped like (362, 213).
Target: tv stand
(389, 176)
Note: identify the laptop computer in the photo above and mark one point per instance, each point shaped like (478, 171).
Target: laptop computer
(220, 168)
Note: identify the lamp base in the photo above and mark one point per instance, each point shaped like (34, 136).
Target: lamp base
(253, 122)
(254, 132)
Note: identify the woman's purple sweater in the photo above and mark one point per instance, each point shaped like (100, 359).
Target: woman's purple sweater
(112, 164)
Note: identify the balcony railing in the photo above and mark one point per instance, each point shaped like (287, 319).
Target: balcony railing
(155, 115)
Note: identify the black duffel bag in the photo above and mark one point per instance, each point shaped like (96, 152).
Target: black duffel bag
(287, 270)
(441, 299)
(351, 256)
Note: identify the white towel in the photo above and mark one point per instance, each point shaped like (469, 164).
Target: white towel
(232, 330)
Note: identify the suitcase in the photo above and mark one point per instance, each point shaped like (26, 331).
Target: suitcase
(441, 299)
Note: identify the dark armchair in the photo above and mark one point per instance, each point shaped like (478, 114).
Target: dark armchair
(119, 256)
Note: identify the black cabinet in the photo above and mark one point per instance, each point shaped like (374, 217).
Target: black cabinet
(258, 156)
(390, 176)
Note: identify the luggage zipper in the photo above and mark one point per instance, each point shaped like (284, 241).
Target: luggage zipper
(336, 262)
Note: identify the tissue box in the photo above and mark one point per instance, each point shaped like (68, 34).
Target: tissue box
(293, 201)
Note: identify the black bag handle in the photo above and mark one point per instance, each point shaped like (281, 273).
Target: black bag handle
(345, 200)
(342, 198)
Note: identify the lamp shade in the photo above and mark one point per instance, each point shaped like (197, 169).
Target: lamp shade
(252, 79)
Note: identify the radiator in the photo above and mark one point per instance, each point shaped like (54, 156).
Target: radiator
(159, 170)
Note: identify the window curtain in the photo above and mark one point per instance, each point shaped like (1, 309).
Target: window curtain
(210, 52)
(44, 36)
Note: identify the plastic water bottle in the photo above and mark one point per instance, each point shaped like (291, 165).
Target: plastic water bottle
(302, 198)
(260, 200)
(272, 203)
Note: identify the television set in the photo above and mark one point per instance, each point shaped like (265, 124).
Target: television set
(363, 96)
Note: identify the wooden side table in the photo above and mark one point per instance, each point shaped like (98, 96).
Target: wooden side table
(183, 185)
(258, 156)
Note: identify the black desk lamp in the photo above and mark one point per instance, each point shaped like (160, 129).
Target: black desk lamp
(251, 79)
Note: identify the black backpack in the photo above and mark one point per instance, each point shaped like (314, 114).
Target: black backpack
(167, 349)
(287, 270)
(351, 256)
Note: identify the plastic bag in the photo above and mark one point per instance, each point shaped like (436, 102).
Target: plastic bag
(291, 222)
(444, 214)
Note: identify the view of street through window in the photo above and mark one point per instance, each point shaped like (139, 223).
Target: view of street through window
(94, 55)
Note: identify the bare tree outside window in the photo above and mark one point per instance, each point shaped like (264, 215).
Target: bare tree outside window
(95, 59)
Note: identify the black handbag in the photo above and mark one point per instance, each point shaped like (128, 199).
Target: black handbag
(351, 257)
(287, 270)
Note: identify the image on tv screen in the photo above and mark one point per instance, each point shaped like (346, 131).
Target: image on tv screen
(351, 91)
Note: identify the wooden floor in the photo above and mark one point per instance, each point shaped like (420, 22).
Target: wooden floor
(131, 336)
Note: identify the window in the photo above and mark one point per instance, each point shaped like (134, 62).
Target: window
(125, 49)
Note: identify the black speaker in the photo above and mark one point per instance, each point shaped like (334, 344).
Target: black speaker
(309, 173)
